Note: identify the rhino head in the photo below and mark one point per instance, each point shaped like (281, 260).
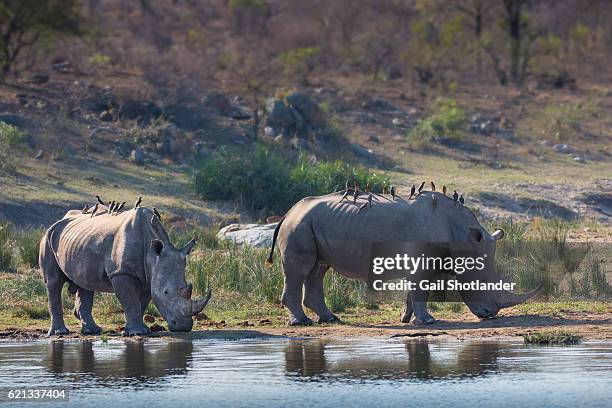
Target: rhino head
(169, 289)
(486, 304)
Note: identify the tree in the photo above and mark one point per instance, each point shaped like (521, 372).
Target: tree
(24, 22)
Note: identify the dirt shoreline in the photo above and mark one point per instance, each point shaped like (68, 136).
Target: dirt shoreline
(589, 326)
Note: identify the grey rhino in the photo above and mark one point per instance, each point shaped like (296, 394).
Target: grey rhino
(129, 254)
(330, 231)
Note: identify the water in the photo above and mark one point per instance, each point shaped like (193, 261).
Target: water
(313, 372)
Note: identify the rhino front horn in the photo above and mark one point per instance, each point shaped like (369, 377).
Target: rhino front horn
(198, 305)
(510, 299)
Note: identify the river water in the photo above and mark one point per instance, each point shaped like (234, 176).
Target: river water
(311, 372)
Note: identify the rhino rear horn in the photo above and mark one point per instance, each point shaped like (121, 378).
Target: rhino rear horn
(198, 305)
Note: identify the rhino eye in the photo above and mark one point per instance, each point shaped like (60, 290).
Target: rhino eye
(165, 292)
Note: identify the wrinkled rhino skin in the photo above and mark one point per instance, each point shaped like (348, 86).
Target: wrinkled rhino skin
(128, 254)
(329, 231)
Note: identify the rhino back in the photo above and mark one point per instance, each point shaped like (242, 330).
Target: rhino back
(90, 250)
(344, 234)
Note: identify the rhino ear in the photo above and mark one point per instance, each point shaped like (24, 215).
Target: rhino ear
(476, 235)
(157, 246)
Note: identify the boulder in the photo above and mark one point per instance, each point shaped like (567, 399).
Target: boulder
(142, 111)
(562, 148)
(279, 116)
(308, 108)
(222, 105)
(254, 235)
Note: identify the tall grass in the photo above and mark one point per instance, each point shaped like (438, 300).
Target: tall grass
(7, 247)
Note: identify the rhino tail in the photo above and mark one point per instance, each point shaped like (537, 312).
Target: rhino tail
(270, 259)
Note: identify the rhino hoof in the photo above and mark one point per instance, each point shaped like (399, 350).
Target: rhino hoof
(136, 331)
(331, 320)
(425, 321)
(60, 331)
(304, 322)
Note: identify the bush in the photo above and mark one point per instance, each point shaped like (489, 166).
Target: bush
(446, 120)
(260, 180)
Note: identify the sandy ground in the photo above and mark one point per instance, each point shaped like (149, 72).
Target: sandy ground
(587, 325)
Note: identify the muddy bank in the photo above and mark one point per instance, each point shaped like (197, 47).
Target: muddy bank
(590, 326)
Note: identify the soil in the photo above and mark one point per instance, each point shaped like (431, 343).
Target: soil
(589, 326)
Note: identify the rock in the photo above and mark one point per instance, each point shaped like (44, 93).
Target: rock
(106, 116)
(137, 156)
(545, 143)
(362, 151)
(374, 139)
(255, 235)
(279, 116)
(308, 108)
(157, 328)
(39, 155)
(40, 78)
(265, 321)
(297, 118)
(269, 131)
(579, 159)
(142, 111)
(562, 148)
(222, 105)
(396, 122)
(148, 318)
(278, 139)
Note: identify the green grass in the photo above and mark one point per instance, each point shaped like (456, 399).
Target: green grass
(263, 181)
(446, 119)
(551, 337)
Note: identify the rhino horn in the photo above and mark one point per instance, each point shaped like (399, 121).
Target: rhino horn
(198, 305)
(509, 299)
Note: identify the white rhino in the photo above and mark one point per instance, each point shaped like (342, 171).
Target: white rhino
(339, 232)
(127, 253)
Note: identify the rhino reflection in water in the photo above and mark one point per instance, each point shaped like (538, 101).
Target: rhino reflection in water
(135, 361)
(307, 358)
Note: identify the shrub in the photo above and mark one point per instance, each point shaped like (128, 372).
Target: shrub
(551, 337)
(11, 139)
(260, 180)
(446, 120)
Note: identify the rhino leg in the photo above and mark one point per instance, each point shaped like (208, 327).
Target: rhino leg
(126, 289)
(54, 280)
(82, 310)
(407, 312)
(295, 274)
(145, 298)
(419, 306)
(314, 297)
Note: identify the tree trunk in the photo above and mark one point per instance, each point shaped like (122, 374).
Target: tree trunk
(513, 19)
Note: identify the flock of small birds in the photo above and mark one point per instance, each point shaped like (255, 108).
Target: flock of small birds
(113, 208)
(354, 192)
